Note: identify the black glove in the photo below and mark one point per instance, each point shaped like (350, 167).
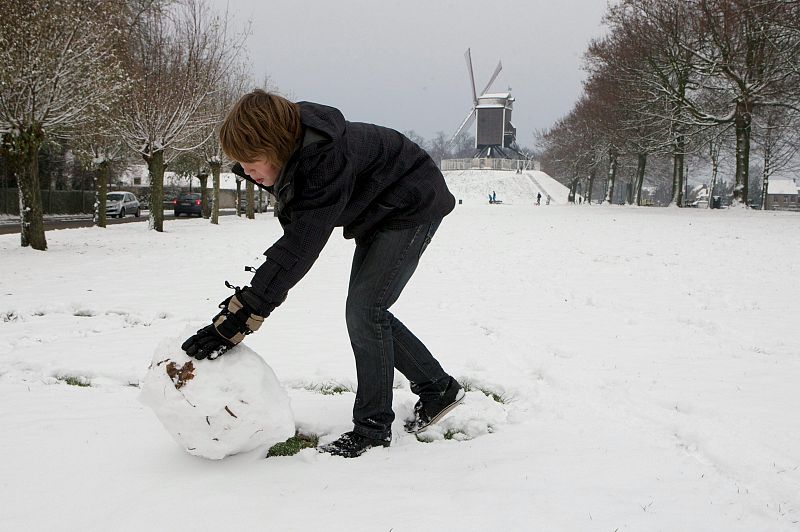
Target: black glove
(236, 320)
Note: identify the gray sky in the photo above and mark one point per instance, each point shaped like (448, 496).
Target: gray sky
(400, 63)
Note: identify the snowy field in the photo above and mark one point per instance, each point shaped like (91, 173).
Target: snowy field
(631, 369)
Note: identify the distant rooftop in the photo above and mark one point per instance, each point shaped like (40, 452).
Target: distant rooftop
(782, 186)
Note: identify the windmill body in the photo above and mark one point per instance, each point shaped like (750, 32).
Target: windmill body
(495, 135)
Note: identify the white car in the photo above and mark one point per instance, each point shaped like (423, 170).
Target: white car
(121, 203)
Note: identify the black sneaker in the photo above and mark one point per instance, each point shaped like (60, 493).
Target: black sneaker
(429, 412)
(352, 444)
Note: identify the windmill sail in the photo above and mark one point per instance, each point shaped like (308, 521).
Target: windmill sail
(468, 58)
(491, 80)
(465, 124)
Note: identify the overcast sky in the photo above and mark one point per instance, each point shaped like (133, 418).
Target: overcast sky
(401, 63)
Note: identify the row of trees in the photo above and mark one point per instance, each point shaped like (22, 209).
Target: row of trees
(113, 78)
(714, 80)
(442, 147)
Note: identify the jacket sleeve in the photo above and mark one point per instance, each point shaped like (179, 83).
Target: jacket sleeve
(321, 195)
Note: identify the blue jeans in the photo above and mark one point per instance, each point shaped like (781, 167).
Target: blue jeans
(381, 269)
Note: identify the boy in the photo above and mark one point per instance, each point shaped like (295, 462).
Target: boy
(390, 197)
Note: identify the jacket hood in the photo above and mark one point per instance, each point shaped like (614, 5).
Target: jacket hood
(326, 120)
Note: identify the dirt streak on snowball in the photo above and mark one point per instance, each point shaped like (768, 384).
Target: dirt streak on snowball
(216, 408)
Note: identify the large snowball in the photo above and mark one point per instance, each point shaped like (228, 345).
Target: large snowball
(216, 408)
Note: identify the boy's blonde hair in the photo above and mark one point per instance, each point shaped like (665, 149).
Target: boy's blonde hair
(261, 125)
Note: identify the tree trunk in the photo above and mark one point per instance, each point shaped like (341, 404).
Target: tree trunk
(6, 177)
(573, 186)
(215, 168)
(24, 157)
(590, 187)
(714, 154)
(742, 122)
(251, 200)
(101, 193)
(203, 178)
(767, 171)
(238, 197)
(612, 175)
(677, 171)
(640, 168)
(155, 164)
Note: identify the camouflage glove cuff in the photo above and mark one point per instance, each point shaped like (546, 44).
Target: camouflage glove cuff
(237, 318)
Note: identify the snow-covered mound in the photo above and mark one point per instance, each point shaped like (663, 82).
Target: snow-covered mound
(216, 408)
(475, 186)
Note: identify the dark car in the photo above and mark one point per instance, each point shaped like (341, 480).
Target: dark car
(188, 203)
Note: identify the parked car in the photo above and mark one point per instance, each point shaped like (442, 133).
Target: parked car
(120, 204)
(188, 203)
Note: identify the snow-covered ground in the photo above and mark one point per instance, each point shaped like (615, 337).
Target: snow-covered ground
(645, 364)
(475, 186)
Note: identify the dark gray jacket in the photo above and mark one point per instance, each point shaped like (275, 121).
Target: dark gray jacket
(359, 176)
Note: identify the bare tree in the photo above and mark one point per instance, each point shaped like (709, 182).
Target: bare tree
(574, 148)
(104, 151)
(230, 89)
(617, 63)
(647, 49)
(57, 69)
(439, 148)
(416, 138)
(463, 146)
(176, 54)
(742, 58)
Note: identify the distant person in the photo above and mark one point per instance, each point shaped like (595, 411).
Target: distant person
(548, 199)
(390, 197)
(494, 196)
(539, 198)
(490, 199)
(580, 200)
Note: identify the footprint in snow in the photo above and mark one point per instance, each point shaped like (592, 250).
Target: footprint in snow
(476, 416)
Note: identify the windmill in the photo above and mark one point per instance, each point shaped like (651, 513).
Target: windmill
(495, 135)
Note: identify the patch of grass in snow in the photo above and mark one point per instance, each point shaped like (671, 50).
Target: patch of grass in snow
(430, 436)
(328, 388)
(451, 434)
(83, 382)
(293, 445)
(10, 316)
(499, 397)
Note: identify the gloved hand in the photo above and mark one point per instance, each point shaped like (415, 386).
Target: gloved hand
(236, 320)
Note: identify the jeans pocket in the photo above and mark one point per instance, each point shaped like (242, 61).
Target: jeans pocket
(431, 230)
